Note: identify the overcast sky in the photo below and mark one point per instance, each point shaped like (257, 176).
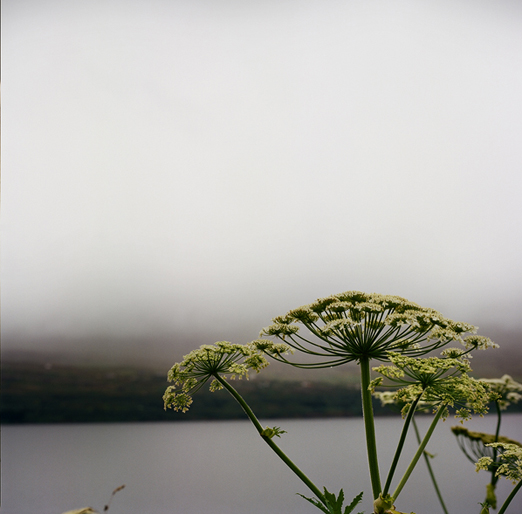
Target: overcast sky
(191, 168)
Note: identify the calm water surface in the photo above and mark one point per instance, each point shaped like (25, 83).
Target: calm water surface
(224, 467)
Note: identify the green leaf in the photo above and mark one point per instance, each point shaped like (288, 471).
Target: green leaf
(315, 502)
(354, 503)
(333, 504)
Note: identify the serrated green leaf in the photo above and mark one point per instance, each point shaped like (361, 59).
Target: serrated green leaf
(354, 503)
(318, 504)
(334, 504)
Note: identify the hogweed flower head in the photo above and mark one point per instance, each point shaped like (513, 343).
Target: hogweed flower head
(225, 359)
(509, 461)
(439, 381)
(476, 445)
(508, 390)
(354, 325)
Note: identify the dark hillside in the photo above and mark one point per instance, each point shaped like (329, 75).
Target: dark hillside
(37, 393)
(33, 393)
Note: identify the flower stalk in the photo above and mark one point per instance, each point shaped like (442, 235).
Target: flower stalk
(369, 427)
(400, 445)
(268, 440)
(419, 452)
(430, 470)
(510, 498)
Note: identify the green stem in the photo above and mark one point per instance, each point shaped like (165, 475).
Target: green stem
(420, 451)
(430, 470)
(369, 427)
(400, 445)
(494, 478)
(499, 419)
(268, 440)
(510, 497)
(491, 498)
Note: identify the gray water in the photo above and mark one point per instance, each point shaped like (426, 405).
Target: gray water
(225, 467)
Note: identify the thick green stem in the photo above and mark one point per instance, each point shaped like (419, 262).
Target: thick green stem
(400, 445)
(419, 453)
(510, 497)
(430, 471)
(369, 427)
(268, 440)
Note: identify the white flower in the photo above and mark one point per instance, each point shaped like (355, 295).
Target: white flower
(225, 359)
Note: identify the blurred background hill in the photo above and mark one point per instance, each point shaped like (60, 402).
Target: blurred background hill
(46, 388)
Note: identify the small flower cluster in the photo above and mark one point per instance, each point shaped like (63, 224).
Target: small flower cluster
(510, 458)
(438, 381)
(426, 372)
(356, 325)
(223, 359)
(508, 390)
(271, 348)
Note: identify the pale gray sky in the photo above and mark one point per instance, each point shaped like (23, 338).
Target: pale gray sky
(198, 167)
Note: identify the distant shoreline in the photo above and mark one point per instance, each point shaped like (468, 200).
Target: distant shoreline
(35, 393)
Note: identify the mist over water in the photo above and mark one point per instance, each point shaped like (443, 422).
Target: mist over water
(176, 173)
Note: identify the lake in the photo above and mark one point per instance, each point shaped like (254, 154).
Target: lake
(226, 468)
